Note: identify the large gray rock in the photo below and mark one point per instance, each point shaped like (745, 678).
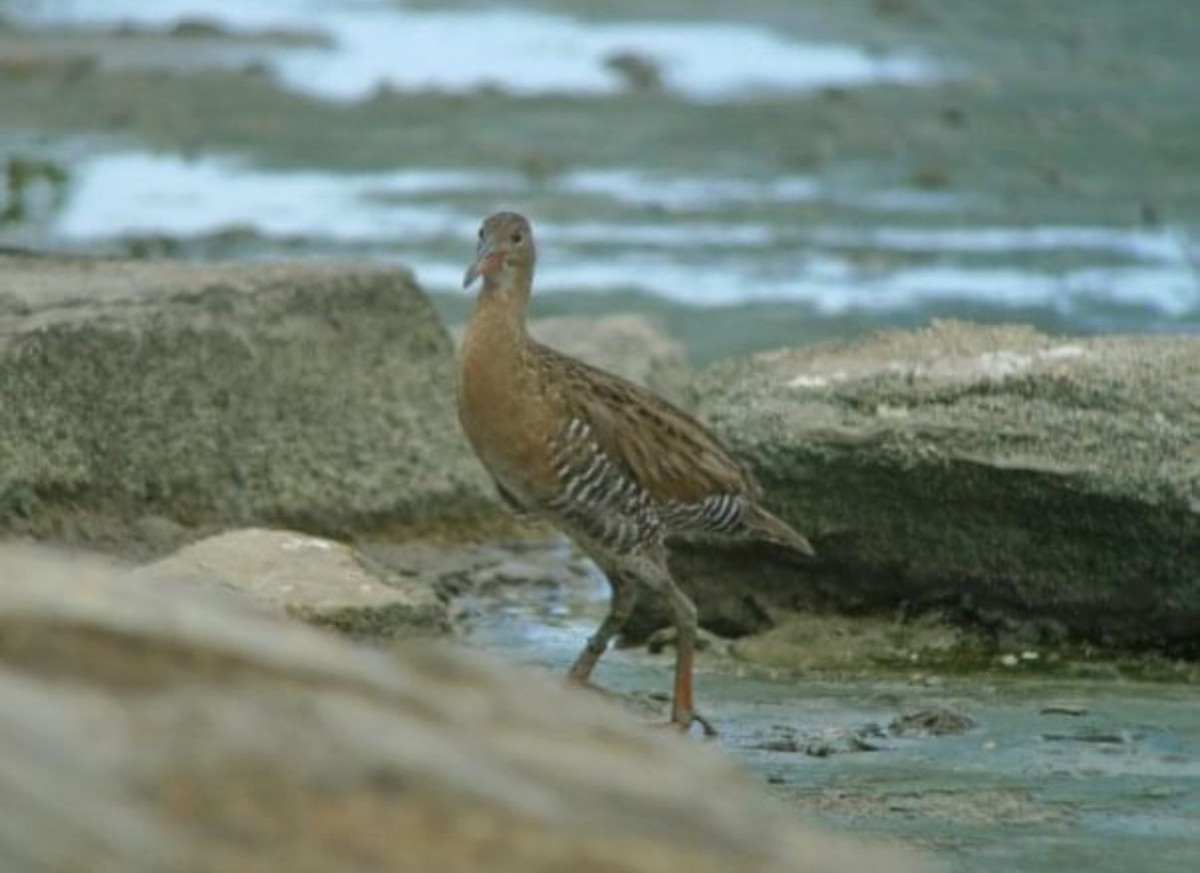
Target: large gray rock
(993, 473)
(310, 578)
(631, 345)
(155, 727)
(319, 398)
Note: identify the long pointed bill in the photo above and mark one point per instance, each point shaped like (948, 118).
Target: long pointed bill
(471, 275)
(484, 264)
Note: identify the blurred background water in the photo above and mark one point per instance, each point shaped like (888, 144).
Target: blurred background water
(755, 174)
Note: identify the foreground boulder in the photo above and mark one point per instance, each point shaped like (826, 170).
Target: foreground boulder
(148, 726)
(140, 396)
(1002, 477)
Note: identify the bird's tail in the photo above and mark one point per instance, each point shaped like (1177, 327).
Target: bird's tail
(765, 526)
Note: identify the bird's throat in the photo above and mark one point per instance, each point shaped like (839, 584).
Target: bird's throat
(500, 311)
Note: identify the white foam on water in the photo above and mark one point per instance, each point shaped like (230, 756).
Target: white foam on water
(698, 193)
(1160, 244)
(676, 235)
(645, 188)
(137, 192)
(702, 262)
(833, 291)
(910, 200)
(140, 193)
(375, 43)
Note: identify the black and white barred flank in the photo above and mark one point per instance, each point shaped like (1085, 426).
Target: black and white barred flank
(602, 500)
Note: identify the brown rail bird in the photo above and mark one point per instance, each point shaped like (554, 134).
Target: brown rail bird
(614, 466)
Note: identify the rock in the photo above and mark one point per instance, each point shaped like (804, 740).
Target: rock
(935, 722)
(314, 397)
(637, 72)
(813, 642)
(630, 345)
(310, 578)
(822, 742)
(706, 641)
(994, 474)
(537, 577)
(168, 727)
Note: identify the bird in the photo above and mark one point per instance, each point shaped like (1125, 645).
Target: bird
(614, 466)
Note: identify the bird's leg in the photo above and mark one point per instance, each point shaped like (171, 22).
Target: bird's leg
(624, 599)
(682, 697)
(683, 710)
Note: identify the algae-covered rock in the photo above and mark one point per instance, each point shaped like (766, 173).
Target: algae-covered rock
(151, 726)
(314, 397)
(995, 474)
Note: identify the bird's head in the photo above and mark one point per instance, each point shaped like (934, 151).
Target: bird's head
(505, 250)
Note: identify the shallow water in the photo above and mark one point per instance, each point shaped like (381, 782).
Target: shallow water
(370, 44)
(698, 257)
(1052, 776)
(707, 190)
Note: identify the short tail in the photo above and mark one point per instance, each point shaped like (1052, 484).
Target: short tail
(762, 525)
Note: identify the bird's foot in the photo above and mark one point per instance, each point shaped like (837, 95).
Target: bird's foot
(683, 724)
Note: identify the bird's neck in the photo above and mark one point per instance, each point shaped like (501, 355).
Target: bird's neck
(500, 312)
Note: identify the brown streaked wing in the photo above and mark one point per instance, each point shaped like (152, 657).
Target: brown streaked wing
(662, 448)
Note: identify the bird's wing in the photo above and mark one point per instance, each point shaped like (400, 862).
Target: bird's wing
(659, 446)
(514, 504)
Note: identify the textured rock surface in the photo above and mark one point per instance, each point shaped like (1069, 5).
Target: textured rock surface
(319, 398)
(994, 473)
(310, 578)
(160, 727)
(630, 345)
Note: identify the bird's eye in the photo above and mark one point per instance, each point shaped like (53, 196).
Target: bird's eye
(517, 237)
(481, 233)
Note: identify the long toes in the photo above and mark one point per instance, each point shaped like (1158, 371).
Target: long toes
(683, 724)
(710, 732)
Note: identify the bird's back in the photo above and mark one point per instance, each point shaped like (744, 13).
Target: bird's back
(652, 442)
(627, 465)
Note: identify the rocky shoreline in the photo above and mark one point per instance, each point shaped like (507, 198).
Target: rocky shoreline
(994, 478)
(257, 447)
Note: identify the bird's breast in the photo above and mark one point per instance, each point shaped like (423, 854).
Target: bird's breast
(501, 414)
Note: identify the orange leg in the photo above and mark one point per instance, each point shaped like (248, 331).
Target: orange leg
(682, 703)
(683, 710)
